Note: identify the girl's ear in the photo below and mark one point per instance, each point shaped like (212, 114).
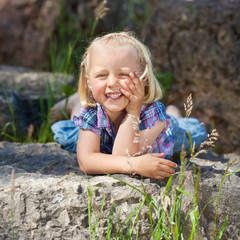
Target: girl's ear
(88, 84)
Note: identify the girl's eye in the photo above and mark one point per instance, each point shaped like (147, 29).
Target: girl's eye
(102, 75)
(123, 74)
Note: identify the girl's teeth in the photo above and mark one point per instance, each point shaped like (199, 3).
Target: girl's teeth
(113, 96)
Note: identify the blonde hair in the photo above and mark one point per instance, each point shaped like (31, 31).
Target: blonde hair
(153, 91)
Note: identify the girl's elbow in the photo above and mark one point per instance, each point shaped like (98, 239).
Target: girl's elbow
(83, 167)
(82, 164)
(87, 165)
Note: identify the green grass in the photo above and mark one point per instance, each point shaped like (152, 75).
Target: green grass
(165, 217)
(8, 124)
(170, 223)
(165, 79)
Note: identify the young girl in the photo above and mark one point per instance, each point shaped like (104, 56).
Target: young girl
(121, 125)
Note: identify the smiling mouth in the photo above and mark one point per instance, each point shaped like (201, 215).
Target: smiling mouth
(114, 95)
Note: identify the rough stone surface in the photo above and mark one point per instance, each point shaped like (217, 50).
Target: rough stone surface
(30, 83)
(22, 90)
(199, 42)
(11, 108)
(25, 28)
(31, 24)
(51, 194)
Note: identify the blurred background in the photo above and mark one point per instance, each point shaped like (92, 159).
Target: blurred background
(195, 47)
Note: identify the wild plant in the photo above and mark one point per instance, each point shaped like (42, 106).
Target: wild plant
(62, 60)
(165, 79)
(67, 46)
(37, 131)
(165, 213)
(16, 133)
(137, 13)
(12, 201)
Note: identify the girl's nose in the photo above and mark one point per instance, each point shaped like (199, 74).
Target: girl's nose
(112, 81)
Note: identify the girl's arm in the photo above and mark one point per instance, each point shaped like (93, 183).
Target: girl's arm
(91, 161)
(129, 139)
(126, 142)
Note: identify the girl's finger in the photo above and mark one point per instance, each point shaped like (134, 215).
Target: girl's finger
(168, 163)
(160, 155)
(163, 175)
(134, 84)
(127, 94)
(125, 86)
(129, 86)
(164, 162)
(139, 85)
(140, 80)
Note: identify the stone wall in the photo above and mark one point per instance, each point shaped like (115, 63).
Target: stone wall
(199, 42)
(50, 195)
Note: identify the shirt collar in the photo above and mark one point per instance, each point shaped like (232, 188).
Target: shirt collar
(103, 120)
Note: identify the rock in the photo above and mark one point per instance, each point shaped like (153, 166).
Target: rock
(25, 89)
(199, 42)
(31, 83)
(25, 28)
(13, 118)
(50, 197)
(212, 169)
(32, 25)
(64, 218)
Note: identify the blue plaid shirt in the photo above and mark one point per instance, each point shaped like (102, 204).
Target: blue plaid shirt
(96, 120)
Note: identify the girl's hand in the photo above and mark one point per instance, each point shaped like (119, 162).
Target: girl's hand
(133, 88)
(153, 165)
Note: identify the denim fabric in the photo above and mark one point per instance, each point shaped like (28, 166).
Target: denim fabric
(66, 133)
(183, 126)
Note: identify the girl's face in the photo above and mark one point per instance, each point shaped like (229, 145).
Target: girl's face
(109, 66)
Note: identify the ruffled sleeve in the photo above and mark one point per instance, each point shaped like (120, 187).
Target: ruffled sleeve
(87, 120)
(153, 113)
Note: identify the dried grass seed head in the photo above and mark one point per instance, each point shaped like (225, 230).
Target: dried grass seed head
(101, 10)
(188, 108)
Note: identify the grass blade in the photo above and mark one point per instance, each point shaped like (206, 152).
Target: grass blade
(132, 213)
(184, 192)
(223, 227)
(168, 184)
(108, 236)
